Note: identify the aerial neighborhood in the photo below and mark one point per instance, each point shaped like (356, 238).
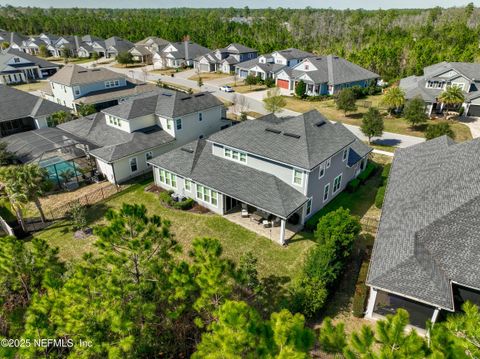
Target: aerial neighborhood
(169, 193)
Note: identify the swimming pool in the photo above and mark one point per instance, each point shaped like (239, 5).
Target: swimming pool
(57, 165)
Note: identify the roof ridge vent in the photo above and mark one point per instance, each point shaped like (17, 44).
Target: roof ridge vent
(186, 98)
(293, 135)
(273, 130)
(320, 123)
(189, 150)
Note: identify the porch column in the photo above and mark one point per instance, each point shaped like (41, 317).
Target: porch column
(435, 315)
(371, 303)
(282, 231)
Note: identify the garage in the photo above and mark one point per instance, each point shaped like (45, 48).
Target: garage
(204, 67)
(284, 84)
(474, 111)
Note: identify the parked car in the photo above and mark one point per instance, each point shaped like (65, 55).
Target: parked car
(226, 88)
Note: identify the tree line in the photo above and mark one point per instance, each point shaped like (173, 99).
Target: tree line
(393, 43)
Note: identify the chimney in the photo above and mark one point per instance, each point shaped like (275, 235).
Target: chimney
(186, 40)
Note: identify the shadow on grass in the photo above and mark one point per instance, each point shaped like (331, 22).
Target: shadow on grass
(96, 212)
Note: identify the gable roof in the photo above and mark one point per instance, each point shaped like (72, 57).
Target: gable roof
(266, 67)
(293, 53)
(118, 44)
(334, 70)
(428, 235)
(235, 48)
(9, 53)
(194, 50)
(16, 104)
(467, 69)
(265, 191)
(153, 39)
(76, 75)
(112, 143)
(303, 141)
(164, 103)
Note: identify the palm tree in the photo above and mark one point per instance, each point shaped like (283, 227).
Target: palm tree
(452, 97)
(34, 182)
(394, 98)
(11, 185)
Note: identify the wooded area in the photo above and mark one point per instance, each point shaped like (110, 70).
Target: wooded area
(393, 43)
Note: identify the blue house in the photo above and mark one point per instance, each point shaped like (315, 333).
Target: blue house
(325, 75)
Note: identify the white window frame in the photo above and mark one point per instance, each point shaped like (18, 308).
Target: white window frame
(326, 190)
(345, 154)
(168, 178)
(76, 90)
(329, 162)
(459, 84)
(131, 162)
(206, 195)
(308, 207)
(294, 171)
(178, 124)
(237, 156)
(320, 168)
(339, 183)
(189, 187)
(227, 152)
(169, 124)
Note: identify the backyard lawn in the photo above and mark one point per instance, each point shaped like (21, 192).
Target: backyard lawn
(272, 258)
(391, 124)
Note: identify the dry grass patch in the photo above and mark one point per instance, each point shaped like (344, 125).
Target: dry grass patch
(208, 76)
(32, 86)
(240, 87)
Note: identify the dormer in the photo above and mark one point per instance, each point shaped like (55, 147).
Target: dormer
(306, 65)
(264, 59)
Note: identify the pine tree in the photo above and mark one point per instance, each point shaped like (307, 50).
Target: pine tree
(332, 338)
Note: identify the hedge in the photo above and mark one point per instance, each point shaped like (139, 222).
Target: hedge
(364, 175)
(353, 185)
(386, 173)
(380, 197)
(166, 198)
(361, 292)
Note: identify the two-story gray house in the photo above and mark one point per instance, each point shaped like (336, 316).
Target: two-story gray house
(124, 137)
(224, 60)
(325, 75)
(101, 87)
(427, 250)
(436, 78)
(288, 168)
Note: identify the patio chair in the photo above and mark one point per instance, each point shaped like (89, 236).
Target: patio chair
(266, 223)
(245, 213)
(276, 222)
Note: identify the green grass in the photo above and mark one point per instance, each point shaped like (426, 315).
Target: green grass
(6, 211)
(391, 124)
(186, 226)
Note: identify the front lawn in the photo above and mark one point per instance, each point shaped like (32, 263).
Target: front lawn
(32, 86)
(209, 76)
(240, 87)
(236, 240)
(391, 124)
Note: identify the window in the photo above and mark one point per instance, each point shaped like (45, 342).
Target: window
(207, 195)
(133, 164)
(459, 85)
(321, 170)
(344, 156)
(169, 124)
(309, 206)
(148, 157)
(306, 66)
(329, 162)
(188, 185)
(235, 155)
(179, 123)
(168, 178)
(200, 116)
(326, 191)
(16, 59)
(337, 183)
(297, 177)
(117, 83)
(76, 90)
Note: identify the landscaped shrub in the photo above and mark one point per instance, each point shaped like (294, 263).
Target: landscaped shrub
(166, 198)
(386, 173)
(365, 174)
(361, 291)
(380, 197)
(318, 98)
(269, 82)
(353, 185)
(336, 232)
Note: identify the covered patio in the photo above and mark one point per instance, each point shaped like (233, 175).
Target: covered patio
(264, 223)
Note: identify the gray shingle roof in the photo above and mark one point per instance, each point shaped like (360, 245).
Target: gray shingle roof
(10, 53)
(267, 67)
(72, 74)
(164, 103)
(118, 44)
(293, 53)
(335, 70)
(112, 143)
(414, 86)
(470, 70)
(194, 50)
(235, 48)
(428, 235)
(18, 104)
(314, 144)
(244, 183)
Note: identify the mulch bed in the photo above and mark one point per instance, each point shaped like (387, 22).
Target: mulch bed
(152, 188)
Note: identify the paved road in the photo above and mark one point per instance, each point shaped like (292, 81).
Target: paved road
(254, 103)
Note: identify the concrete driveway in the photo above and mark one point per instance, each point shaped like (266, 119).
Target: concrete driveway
(473, 124)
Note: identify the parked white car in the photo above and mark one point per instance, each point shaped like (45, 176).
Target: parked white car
(226, 88)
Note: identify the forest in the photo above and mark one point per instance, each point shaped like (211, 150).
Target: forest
(393, 43)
